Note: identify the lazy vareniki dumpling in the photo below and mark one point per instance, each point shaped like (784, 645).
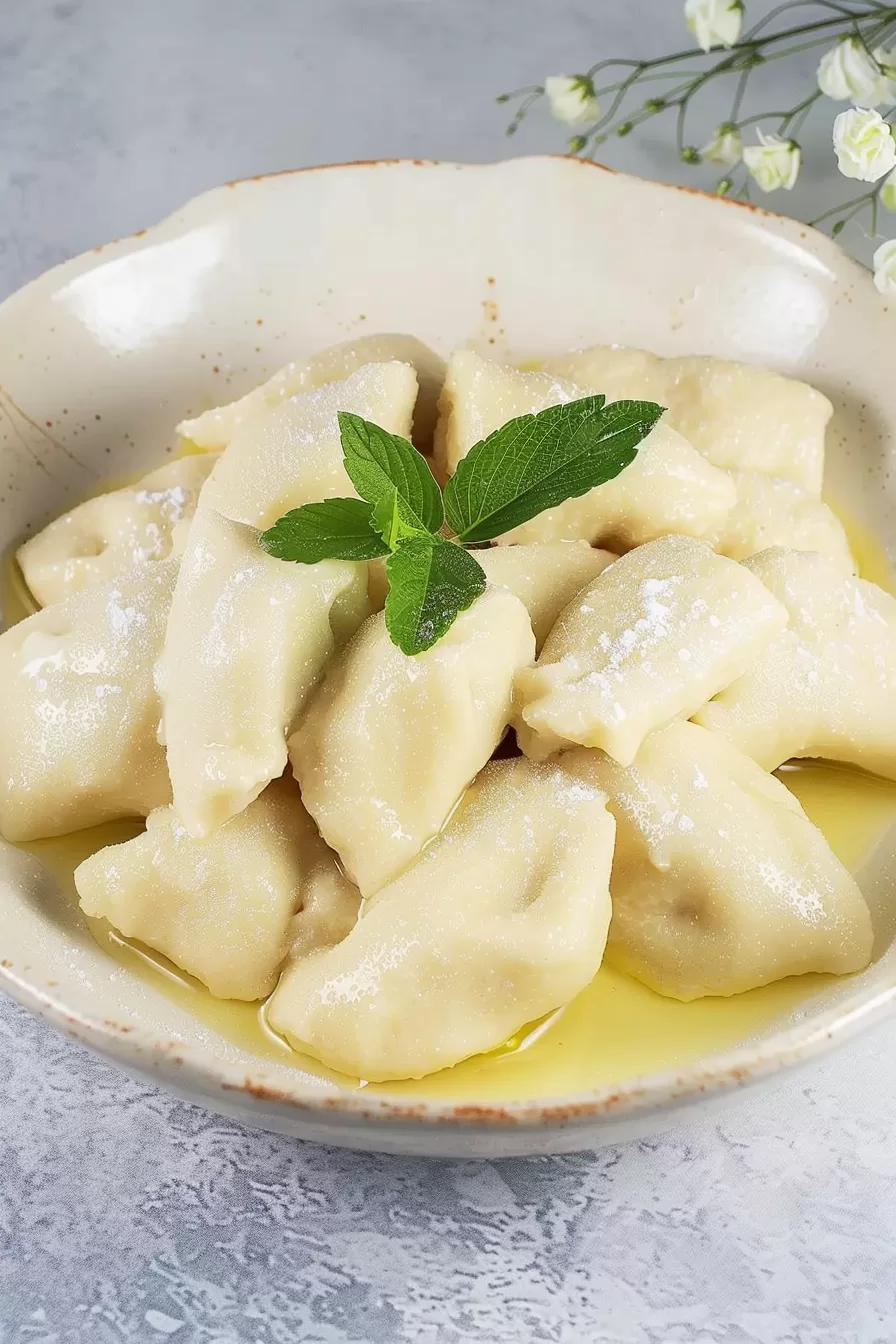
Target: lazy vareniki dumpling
(79, 714)
(231, 908)
(650, 640)
(113, 532)
(390, 742)
(668, 488)
(720, 882)
(247, 640)
(293, 454)
(826, 686)
(741, 417)
(215, 428)
(502, 919)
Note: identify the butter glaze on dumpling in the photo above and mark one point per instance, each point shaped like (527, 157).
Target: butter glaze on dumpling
(292, 455)
(669, 487)
(720, 882)
(826, 686)
(113, 532)
(545, 576)
(232, 908)
(741, 417)
(650, 640)
(502, 919)
(247, 641)
(773, 511)
(215, 428)
(79, 713)
(390, 742)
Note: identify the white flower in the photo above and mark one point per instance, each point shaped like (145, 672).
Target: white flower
(572, 98)
(774, 162)
(849, 72)
(725, 147)
(864, 144)
(885, 268)
(888, 193)
(714, 23)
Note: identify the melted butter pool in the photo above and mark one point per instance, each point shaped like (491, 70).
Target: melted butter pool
(614, 1029)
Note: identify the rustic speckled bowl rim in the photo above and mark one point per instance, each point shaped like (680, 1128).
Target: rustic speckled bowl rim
(187, 1069)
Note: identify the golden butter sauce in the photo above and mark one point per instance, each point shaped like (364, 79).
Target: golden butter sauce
(616, 1028)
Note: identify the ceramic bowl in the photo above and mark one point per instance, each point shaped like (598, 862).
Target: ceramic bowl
(100, 358)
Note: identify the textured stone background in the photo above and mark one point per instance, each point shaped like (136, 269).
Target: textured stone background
(127, 1215)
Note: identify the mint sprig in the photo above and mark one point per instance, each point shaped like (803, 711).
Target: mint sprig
(431, 581)
(532, 463)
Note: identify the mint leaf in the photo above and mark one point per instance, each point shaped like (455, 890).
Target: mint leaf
(536, 462)
(378, 462)
(395, 522)
(431, 581)
(334, 529)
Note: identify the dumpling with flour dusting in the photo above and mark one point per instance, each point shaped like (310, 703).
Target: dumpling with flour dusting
(654, 637)
(79, 713)
(826, 686)
(229, 909)
(502, 919)
(113, 532)
(390, 742)
(720, 882)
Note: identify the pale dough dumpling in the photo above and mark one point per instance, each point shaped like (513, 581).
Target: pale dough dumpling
(650, 640)
(390, 742)
(720, 882)
(215, 428)
(827, 685)
(113, 532)
(293, 455)
(502, 919)
(669, 487)
(773, 511)
(79, 714)
(247, 641)
(741, 417)
(544, 576)
(231, 908)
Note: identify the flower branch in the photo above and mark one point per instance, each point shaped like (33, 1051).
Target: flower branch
(857, 67)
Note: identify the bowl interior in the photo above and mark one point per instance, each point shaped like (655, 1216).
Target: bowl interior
(101, 357)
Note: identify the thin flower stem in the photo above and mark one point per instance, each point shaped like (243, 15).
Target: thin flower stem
(739, 92)
(848, 209)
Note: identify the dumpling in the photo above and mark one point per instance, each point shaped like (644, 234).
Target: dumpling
(231, 908)
(215, 428)
(741, 417)
(649, 641)
(247, 641)
(79, 713)
(113, 532)
(827, 685)
(772, 511)
(390, 742)
(668, 488)
(502, 919)
(720, 882)
(544, 576)
(293, 454)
